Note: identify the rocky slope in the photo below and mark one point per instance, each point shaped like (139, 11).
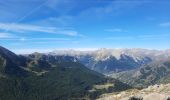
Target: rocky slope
(155, 92)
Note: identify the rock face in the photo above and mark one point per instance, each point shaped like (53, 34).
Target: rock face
(155, 92)
(155, 96)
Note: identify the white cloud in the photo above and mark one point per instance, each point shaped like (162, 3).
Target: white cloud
(153, 36)
(120, 38)
(114, 8)
(29, 51)
(33, 28)
(115, 30)
(85, 49)
(22, 39)
(57, 39)
(141, 37)
(45, 40)
(5, 35)
(166, 24)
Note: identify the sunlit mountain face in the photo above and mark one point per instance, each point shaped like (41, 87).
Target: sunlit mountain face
(84, 49)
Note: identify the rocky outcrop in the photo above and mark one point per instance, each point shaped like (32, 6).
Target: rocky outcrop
(155, 92)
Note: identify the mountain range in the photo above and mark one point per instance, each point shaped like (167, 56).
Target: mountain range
(156, 72)
(69, 74)
(114, 60)
(136, 67)
(44, 77)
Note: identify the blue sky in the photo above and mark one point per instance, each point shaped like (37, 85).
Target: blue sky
(45, 25)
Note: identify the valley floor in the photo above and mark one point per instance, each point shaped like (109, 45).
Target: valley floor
(155, 92)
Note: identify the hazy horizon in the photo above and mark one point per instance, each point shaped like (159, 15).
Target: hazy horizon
(29, 51)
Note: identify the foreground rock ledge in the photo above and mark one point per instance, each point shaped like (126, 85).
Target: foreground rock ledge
(155, 92)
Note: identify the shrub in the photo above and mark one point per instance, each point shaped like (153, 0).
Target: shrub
(135, 98)
(168, 98)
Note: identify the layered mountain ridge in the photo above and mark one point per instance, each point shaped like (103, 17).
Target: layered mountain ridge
(44, 77)
(114, 60)
(72, 74)
(153, 73)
